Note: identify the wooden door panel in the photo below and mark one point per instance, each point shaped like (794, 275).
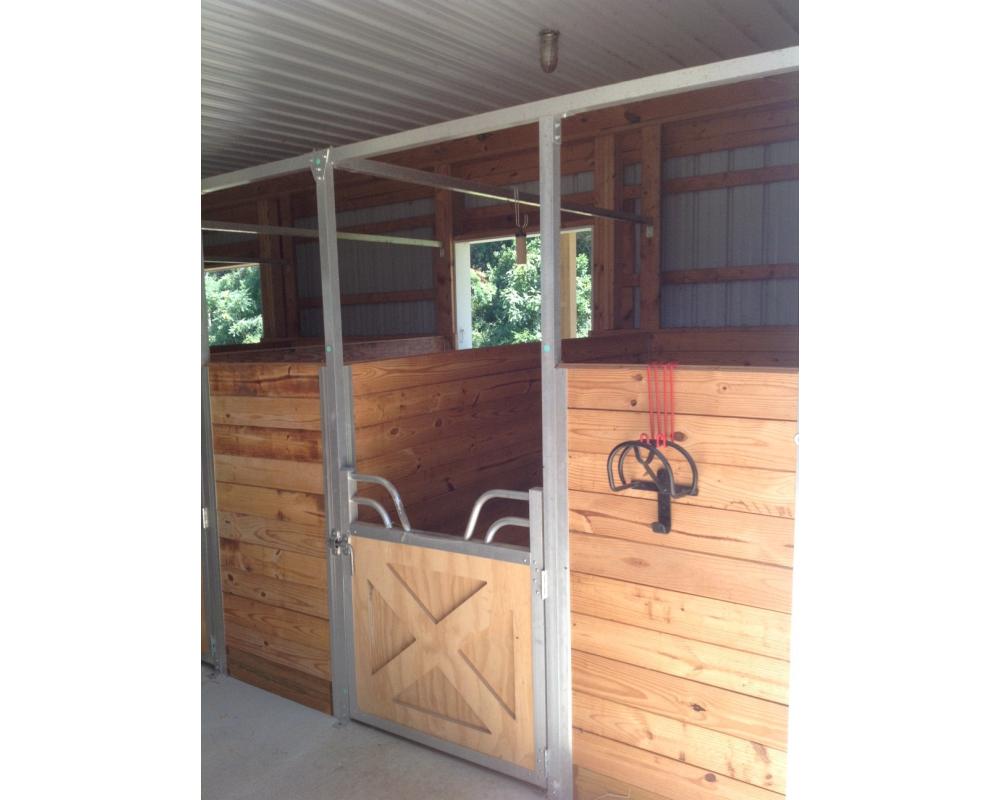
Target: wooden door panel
(442, 644)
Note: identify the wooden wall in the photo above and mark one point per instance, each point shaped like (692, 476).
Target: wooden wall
(269, 485)
(446, 427)
(680, 641)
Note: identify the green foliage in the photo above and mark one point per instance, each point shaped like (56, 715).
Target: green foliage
(233, 301)
(506, 297)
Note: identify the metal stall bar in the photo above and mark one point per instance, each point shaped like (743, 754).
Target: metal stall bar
(381, 169)
(209, 509)
(313, 233)
(338, 440)
(555, 498)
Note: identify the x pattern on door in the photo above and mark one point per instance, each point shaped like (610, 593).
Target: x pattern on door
(443, 646)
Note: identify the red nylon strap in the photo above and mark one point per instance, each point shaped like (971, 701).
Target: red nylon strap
(650, 393)
(670, 373)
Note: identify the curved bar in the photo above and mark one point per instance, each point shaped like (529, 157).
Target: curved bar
(492, 494)
(367, 501)
(393, 493)
(503, 522)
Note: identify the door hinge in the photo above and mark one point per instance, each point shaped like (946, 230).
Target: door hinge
(204, 519)
(545, 584)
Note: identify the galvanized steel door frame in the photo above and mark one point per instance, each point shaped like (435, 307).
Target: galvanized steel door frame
(209, 517)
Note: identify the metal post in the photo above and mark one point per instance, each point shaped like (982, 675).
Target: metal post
(554, 476)
(338, 433)
(209, 509)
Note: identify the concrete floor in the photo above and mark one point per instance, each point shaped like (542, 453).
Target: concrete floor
(258, 746)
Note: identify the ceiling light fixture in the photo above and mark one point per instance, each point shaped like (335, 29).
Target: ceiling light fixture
(549, 49)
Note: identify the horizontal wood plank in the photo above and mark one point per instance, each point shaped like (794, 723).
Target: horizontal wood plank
(737, 441)
(276, 592)
(733, 534)
(757, 272)
(264, 379)
(750, 490)
(736, 670)
(682, 699)
(760, 394)
(299, 508)
(281, 680)
(302, 657)
(283, 443)
(435, 368)
(656, 773)
(743, 582)
(403, 403)
(271, 562)
(307, 539)
(590, 785)
(719, 622)
(267, 412)
(727, 180)
(297, 476)
(290, 625)
(701, 747)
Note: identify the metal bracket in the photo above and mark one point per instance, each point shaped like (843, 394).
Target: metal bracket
(318, 164)
(545, 584)
(204, 518)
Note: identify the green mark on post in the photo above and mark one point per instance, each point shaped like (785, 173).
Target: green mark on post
(329, 349)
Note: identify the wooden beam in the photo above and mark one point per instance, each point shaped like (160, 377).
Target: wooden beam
(375, 298)
(603, 249)
(726, 180)
(649, 237)
(272, 290)
(567, 287)
(757, 272)
(289, 272)
(444, 262)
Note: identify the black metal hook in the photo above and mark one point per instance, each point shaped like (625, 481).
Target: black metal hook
(662, 478)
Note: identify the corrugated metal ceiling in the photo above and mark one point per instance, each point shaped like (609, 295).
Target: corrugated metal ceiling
(282, 77)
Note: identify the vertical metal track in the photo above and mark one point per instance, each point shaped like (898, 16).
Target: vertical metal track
(209, 515)
(338, 432)
(554, 477)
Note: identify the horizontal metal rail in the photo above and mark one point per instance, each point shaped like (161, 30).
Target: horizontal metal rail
(500, 551)
(503, 522)
(394, 172)
(313, 233)
(404, 521)
(484, 498)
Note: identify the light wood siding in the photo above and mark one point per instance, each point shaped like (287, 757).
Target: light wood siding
(680, 641)
(444, 428)
(269, 481)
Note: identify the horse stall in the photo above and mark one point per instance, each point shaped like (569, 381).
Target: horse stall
(567, 560)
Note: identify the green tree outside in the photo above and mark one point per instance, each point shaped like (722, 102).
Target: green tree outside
(506, 297)
(233, 301)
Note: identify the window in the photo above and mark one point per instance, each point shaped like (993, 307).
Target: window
(499, 301)
(232, 299)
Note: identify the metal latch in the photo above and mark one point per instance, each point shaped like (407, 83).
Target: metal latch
(341, 546)
(545, 584)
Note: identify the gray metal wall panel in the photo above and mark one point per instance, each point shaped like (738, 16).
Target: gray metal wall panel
(389, 319)
(711, 225)
(740, 226)
(632, 174)
(367, 267)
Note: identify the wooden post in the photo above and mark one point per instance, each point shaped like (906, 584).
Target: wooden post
(444, 261)
(272, 294)
(567, 286)
(649, 246)
(290, 281)
(603, 250)
(625, 250)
